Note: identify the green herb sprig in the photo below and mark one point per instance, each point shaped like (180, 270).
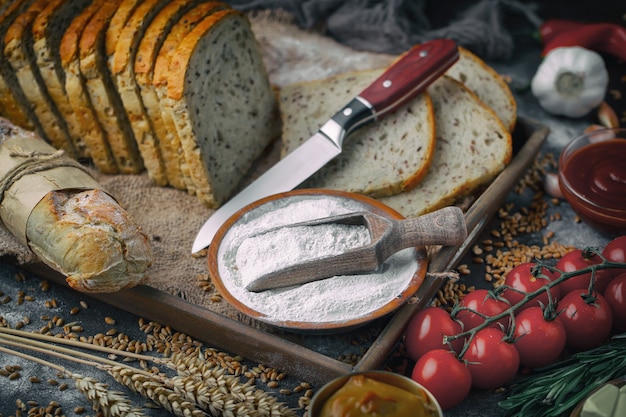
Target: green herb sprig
(555, 390)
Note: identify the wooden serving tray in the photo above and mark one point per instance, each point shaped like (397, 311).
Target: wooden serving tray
(295, 354)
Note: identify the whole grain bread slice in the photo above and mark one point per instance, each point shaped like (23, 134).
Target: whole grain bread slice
(156, 40)
(13, 104)
(472, 147)
(152, 80)
(487, 84)
(381, 159)
(18, 51)
(225, 109)
(94, 136)
(121, 65)
(48, 29)
(96, 46)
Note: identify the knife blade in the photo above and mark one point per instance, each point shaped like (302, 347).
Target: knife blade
(407, 77)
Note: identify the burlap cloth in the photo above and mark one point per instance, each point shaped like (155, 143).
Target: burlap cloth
(171, 217)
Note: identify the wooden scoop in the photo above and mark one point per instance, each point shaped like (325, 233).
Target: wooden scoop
(442, 227)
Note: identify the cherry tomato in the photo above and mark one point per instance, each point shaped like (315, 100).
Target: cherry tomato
(615, 251)
(491, 360)
(426, 329)
(575, 260)
(483, 302)
(538, 341)
(444, 375)
(615, 295)
(587, 322)
(521, 278)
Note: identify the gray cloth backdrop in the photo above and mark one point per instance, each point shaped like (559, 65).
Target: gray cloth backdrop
(393, 26)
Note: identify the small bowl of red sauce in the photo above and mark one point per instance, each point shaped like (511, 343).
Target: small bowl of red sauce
(592, 178)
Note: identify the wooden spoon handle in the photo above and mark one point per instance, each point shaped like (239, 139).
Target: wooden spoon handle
(442, 227)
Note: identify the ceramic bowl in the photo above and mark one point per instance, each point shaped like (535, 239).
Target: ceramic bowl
(390, 378)
(592, 178)
(317, 301)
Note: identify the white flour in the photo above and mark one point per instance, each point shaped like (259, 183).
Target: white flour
(279, 248)
(335, 299)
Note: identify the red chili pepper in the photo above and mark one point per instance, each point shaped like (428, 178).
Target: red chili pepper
(606, 38)
(552, 27)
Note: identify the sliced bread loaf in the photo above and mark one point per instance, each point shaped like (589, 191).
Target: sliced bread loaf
(472, 147)
(225, 109)
(13, 104)
(97, 39)
(487, 84)
(94, 136)
(381, 159)
(181, 13)
(152, 80)
(121, 66)
(18, 51)
(48, 29)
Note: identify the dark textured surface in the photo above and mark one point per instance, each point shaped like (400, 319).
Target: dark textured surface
(520, 69)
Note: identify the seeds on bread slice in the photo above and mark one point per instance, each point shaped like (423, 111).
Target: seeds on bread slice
(152, 80)
(18, 51)
(13, 104)
(121, 66)
(225, 109)
(487, 84)
(94, 136)
(48, 29)
(472, 147)
(181, 13)
(380, 159)
(97, 38)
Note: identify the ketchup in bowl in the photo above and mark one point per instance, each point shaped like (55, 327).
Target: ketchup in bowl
(592, 178)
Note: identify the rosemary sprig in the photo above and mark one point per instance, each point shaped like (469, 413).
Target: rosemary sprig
(556, 389)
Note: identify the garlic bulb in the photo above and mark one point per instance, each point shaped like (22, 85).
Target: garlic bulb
(570, 81)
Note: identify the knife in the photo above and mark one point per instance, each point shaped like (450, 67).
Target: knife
(407, 77)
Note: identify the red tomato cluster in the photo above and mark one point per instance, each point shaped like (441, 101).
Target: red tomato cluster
(529, 334)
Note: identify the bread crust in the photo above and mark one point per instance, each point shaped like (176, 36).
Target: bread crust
(90, 239)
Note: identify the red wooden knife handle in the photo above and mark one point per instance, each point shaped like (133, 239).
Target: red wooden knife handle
(410, 75)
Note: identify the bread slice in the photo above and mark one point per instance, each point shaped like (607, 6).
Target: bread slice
(98, 37)
(18, 51)
(48, 29)
(487, 84)
(94, 136)
(225, 109)
(472, 147)
(381, 159)
(121, 66)
(151, 74)
(13, 104)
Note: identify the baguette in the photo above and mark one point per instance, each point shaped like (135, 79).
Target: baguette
(473, 146)
(59, 211)
(225, 109)
(381, 159)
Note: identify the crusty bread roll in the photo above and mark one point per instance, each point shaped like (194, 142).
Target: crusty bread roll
(56, 208)
(90, 239)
